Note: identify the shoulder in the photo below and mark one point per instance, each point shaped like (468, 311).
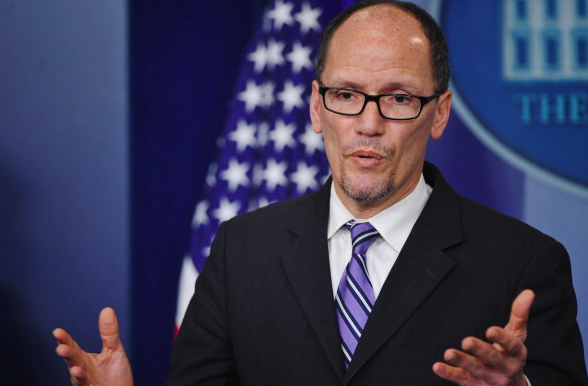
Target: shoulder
(284, 213)
(476, 219)
(477, 223)
(487, 222)
(508, 245)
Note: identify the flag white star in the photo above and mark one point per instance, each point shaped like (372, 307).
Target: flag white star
(282, 135)
(300, 57)
(275, 174)
(308, 18)
(274, 55)
(267, 94)
(259, 57)
(236, 174)
(200, 216)
(252, 96)
(311, 140)
(243, 136)
(305, 177)
(291, 96)
(281, 14)
(226, 210)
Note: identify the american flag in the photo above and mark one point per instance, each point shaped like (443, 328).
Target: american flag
(268, 151)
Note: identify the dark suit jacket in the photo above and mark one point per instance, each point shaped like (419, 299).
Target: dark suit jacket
(263, 311)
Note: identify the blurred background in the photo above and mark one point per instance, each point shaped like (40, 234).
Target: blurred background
(110, 113)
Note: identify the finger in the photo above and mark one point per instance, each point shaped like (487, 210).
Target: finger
(468, 370)
(473, 370)
(450, 373)
(519, 314)
(72, 355)
(109, 332)
(469, 363)
(507, 341)
(482, 350)
(79, 376)
(63, 337)
(64, 351)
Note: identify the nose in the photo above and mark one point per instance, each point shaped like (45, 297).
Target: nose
(370, 122)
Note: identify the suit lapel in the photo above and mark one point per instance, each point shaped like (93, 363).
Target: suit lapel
(420, 266)
(306, 263)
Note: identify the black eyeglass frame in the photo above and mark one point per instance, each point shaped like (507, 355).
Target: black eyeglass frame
(376, 98)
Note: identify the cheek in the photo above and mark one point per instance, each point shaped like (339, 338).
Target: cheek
(410, 147)
(332, 149)
(337, 129)
(416, 141)
(331, 137)
(334, 141)
(331, 141)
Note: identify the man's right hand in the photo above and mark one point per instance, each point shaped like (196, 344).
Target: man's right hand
(109, 368)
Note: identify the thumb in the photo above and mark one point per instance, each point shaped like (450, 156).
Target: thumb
(108, 326)
(517, 324)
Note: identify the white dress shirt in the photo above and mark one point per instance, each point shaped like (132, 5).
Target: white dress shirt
(394, 225)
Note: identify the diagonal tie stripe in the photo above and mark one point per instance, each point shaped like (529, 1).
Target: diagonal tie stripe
(355, 296)
(352, 325)
(359, 294)
(364, 240)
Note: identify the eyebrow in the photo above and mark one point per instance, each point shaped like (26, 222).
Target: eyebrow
(405, 83)
(390, 85)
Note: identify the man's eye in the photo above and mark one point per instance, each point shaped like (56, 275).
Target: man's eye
(345, 95)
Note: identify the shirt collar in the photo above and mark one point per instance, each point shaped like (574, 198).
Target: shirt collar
(393, 223)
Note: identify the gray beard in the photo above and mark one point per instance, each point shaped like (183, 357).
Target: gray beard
(368, 196)
(359, 193)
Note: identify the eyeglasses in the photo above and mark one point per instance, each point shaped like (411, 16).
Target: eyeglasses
(398, 107)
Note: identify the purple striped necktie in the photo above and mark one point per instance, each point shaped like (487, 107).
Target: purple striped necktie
(355, 295)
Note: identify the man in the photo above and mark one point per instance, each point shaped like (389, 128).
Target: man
(289, 297)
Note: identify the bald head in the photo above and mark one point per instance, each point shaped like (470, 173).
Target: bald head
(390, 11)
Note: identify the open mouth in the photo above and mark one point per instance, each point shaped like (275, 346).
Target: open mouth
(367, 159)
(367, 155)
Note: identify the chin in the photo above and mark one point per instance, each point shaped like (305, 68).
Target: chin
(366, 191)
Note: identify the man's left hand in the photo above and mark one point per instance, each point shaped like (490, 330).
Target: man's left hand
(499, 363)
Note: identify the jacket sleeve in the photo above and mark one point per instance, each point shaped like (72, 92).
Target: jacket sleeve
(555, 350)
(202, 353)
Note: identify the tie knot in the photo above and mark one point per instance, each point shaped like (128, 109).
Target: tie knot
(363, 234)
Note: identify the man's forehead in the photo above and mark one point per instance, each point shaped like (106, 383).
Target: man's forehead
(382, 29)
(385, 24)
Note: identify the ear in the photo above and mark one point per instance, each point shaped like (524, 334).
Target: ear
(442, 114)
(315, 105)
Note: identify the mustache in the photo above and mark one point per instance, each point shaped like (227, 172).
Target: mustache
(370, 144)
